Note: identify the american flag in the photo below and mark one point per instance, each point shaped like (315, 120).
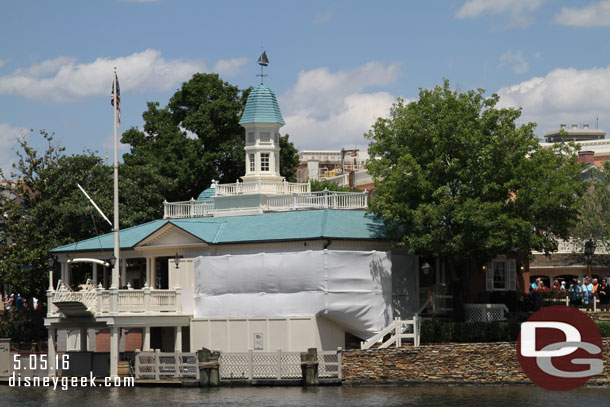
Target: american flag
(118, 97)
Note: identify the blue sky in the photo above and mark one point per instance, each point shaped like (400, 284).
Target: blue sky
(334, 65)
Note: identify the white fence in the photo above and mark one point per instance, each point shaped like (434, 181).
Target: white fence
(484, 312)
(397, 330)
(275, 365)
(264, 187)
(284, 202)
(166, 365)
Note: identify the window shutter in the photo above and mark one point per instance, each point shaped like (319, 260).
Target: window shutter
(512, 274)
(489, 277)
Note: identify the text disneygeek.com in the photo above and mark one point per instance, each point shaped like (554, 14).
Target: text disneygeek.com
(32, 363)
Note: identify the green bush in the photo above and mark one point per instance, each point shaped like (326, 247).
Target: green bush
(23, 325)
(604, 328)
(437, 331)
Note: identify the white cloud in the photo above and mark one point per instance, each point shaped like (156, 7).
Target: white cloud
(518, 10)
(562, 96)
(323, 17)
(2, 62)
(514, 59)
(230, 67)
(594, 14)
(330, 110)
(63, 79)
(9, 136)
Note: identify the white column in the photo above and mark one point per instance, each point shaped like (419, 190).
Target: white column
(147, 277)
(51, 352)
(68, 279)
(146, 344)
(105, 278)
(153, 272)
(123, 272)
(94, 274)
(62, 273)
(114, 351)
(178, 339)
(83, 339)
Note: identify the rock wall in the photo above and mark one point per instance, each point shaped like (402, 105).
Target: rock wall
(453, 363)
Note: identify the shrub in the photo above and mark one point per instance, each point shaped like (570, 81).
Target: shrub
(437, 331)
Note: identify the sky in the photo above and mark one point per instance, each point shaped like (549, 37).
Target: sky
(335, 66)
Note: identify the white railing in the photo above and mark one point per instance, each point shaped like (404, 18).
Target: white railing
(278, 365)
(484, 312)
(97, 300)
(165, 300)
(86, 296)
(171, 365)
(263, 187)
(286, 202)
(318, 200)
(187, 209)
(398, 330)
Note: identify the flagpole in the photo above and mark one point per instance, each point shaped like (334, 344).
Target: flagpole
(115, 270)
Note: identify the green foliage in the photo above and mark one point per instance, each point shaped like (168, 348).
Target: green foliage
(437, 331)
(604, 328)
(326, 184)
(594, 219)
(457, 179)
(289, 159)
(194, 139)
(44, 208)
(23, 325)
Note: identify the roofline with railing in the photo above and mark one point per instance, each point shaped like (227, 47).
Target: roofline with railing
(270, 203)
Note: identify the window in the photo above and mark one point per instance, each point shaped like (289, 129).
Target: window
(265, 137)
(252, 162)
(501, 275)
(250, 139)
(264, 161)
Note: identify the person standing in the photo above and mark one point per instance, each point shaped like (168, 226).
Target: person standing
(603, 292)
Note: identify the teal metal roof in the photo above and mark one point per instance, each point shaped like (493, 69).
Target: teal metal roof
(207, 194)
(262, 107)
(282, 226)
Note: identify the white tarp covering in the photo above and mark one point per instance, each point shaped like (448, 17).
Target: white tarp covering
(352, 288)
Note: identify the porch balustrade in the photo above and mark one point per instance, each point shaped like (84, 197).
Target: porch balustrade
(97, 300)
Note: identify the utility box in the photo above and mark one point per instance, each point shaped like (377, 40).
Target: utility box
(5, 357)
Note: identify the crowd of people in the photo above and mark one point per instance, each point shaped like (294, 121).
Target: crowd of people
(580, 293)
(18, 302)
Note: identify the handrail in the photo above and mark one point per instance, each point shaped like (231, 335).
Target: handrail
(399, 327)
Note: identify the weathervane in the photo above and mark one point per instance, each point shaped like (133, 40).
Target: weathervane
(263, 61)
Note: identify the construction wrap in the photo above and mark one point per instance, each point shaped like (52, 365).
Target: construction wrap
(351, 288)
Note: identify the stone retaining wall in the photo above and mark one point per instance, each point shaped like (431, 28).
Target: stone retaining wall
(453, 363)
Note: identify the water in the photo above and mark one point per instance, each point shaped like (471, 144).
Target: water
(296, 396)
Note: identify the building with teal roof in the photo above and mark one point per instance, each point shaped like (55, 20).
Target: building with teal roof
(297, 268)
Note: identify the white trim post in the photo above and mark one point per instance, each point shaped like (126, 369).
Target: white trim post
(114, 351)
(146, 344)
(51, 343)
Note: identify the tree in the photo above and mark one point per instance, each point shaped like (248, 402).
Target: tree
(457, 179)
(289, 159)
(594, 211)
(331, 186)
(194, 139)
(43, 208)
